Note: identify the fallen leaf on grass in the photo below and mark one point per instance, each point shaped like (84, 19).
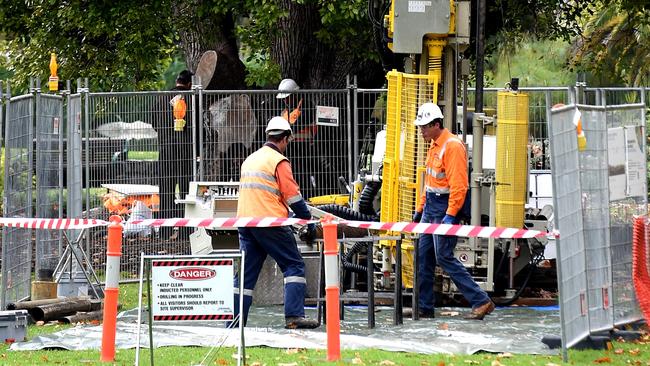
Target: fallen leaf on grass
(504, 355)
(619, 351)
(551, 364)
(44, 358)
(256, 363)
(634, 352)
(357, 361)
(496, 363)
(40, 323)
(441, 363)
(387, 363)
(471, 362)
(288, 364)
(603, 360)
(292, 351)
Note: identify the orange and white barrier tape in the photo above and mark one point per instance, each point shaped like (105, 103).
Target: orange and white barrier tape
(469, 231)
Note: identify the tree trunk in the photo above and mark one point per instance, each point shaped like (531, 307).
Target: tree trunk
(210, 32)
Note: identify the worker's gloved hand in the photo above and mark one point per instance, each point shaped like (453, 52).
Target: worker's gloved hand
(448, 219)
(308, 233)
(417, 216)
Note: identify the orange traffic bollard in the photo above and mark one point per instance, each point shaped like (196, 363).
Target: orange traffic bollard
(111, 291)
(331, 253)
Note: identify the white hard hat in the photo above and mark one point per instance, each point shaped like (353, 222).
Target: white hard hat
(277, 125)
(286, 86)
(427, 113)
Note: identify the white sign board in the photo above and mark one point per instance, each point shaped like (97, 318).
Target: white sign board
(327, 116)
(418, 6)
(192, 289)
(626, 163)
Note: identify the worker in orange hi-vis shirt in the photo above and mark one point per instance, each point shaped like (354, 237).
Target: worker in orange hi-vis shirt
(445, 188)
(267, 189)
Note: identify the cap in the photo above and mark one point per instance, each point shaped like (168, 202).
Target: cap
(427, 113)
(286, 86)
(277, 125)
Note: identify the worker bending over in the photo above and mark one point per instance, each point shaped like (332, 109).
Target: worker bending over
(267, 189)
(445, 186)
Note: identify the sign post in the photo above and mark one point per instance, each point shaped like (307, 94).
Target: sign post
(189, 288)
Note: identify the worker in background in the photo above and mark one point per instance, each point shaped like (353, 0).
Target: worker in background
(176, 157)
(303, 150)
(267, 189)
(445, 187)
(292, 106)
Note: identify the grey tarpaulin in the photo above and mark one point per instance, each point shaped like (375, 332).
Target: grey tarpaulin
(514, 330)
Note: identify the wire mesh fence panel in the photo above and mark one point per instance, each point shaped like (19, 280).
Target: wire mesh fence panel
(17, 243)
(73, 158)
(627, 198)
(595, 208)
(138, 160)
(572, 281)
(369, 119)
(49, 179)
(234, 124)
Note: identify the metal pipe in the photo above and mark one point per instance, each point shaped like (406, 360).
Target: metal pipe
(480, 54)
(477, 168)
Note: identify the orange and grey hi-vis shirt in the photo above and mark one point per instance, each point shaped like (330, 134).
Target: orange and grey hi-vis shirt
(446, 171)
(266, 185)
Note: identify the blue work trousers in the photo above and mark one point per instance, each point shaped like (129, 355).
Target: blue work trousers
(439, 249)
(280, 244)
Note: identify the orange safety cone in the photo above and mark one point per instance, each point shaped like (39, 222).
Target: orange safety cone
(331, 253)
(111, 290)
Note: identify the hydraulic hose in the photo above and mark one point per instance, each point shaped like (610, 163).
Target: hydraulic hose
(347, 213)
(367, 197)
(346, 260)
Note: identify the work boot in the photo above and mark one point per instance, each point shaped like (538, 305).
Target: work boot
(480, 312)
(300, 322)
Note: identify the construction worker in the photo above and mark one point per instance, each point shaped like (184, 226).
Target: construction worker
(442, 199)
(286, 87)
(267, 189)
(176, 157)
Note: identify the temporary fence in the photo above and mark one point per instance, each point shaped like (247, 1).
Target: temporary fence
(118, 148)
(598, 189)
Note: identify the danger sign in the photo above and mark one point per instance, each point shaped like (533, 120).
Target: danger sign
(192, 290)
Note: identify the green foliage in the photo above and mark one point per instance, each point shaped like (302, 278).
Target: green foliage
(534, 62)
(117, 45)
(262, 72)
(615, 47)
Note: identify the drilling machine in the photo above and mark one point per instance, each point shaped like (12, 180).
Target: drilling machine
(431, 35)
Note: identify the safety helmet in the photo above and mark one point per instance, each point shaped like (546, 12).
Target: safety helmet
(286, 86)
(277, 125)
(427, 113)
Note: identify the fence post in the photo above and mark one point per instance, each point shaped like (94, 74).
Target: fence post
(332, 289)
(111, 291)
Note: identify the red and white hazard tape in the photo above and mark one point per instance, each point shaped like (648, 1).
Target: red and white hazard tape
(469, 231)
(230, 222)
(225, 222)
(60, 224)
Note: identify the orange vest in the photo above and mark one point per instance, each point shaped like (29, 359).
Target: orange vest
(446, 170)
(259, 192)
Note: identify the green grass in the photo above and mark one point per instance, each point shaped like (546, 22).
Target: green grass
(142, 155)
(622, 353)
